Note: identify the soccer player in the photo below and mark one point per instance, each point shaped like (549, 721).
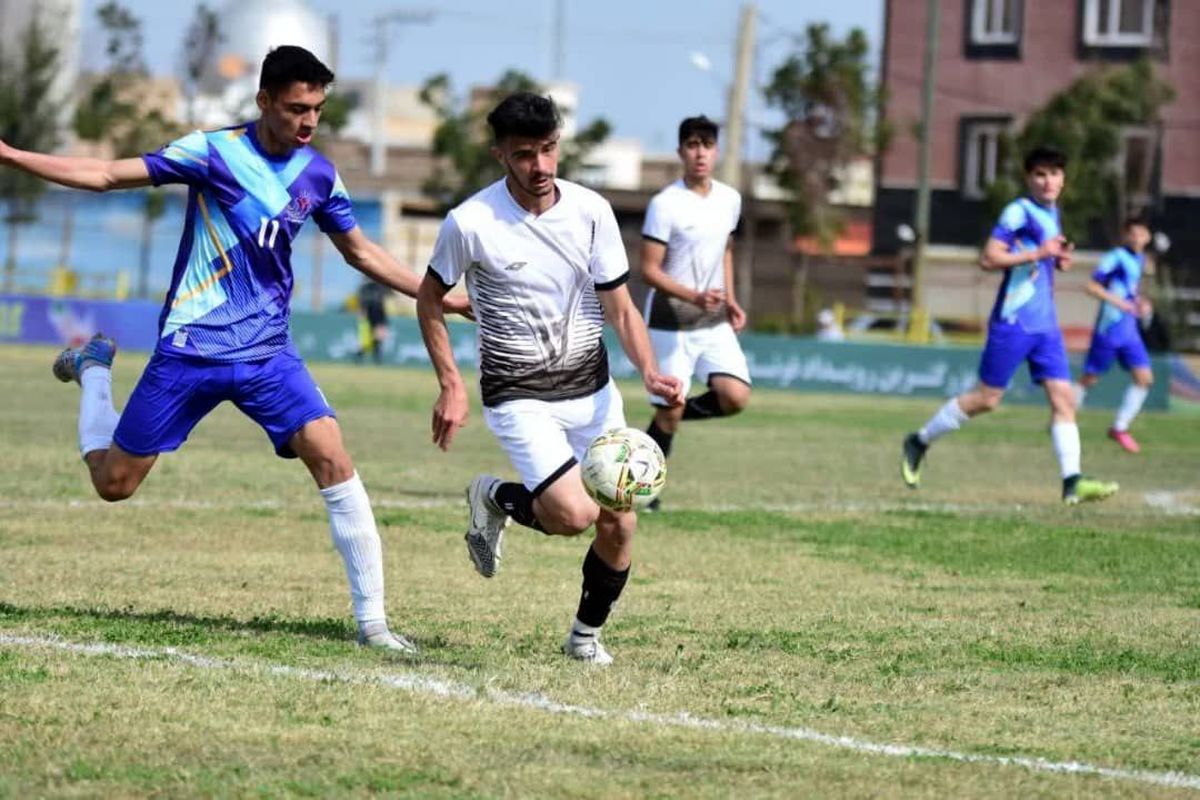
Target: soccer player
(223, 331)
(687, 261)
(544, 266)
(1116, 335)
(1028, 245)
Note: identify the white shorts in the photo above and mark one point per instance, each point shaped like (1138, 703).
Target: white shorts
(703, 352)
(544, 439)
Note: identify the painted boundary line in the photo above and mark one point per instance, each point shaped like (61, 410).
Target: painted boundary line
(1172, 503)
(416, 684)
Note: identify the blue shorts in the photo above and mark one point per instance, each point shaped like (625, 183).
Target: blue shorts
(1008, 345)
(175, 393)
(1130, 351)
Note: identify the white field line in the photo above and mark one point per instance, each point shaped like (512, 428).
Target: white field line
(417, 684)
(1169, 502)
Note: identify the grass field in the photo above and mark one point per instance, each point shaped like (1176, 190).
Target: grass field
(196, 640)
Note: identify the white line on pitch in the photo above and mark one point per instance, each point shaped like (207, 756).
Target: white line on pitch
(414, 683)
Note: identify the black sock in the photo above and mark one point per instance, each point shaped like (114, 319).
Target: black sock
(602, 586)
(660, 437)
(517, 501)
(705, 406)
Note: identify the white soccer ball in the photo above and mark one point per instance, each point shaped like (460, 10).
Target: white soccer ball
(624, 469)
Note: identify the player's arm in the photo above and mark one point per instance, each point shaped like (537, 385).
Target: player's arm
(1100, 292)
(378, 264)
(450, 410)
(654, 253)
(92, 174)
(997, 254)
(737, 316)
(623, 315)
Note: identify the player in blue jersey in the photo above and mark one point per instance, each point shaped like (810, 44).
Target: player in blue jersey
(223, 331)
(1116, 335)
(1027, 244)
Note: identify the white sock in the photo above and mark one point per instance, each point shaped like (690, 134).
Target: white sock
(949, 417)
(1080, 394)
(1131, 404)
(579, 629)
(1065, 436)
(352, 524)
(97, 417)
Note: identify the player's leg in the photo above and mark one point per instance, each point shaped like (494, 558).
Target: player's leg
(1003, 353)
(282, 397)
(1133, 357)
(721, 365)
(1097, 362)
(605, 573)
(674, 359)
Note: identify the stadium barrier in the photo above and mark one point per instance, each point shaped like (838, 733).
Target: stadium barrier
(775, 361)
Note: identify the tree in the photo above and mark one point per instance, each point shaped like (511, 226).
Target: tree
(111, 112)
(1085, 121)
(826, 93)
(462, 142)
(28, 120)
(199, 50)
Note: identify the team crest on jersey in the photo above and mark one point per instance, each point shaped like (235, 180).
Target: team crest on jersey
(301, 206)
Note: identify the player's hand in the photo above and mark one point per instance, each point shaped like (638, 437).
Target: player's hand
(667, 387)
(449, 414)
(737, 316)
(458, 304)
(710, 300)
(6, 153)
(1129, 308)
(1063, 262)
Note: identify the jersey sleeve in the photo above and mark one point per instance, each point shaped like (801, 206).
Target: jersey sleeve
(735, 221)
(1105, 269)
(184, 160)
(609, 263)
(657, 225)
(1012, 221)
(451, 255)
(336, 214)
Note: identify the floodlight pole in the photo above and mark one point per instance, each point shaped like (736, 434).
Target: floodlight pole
(730, 168)
(918, 323)
(379, 122)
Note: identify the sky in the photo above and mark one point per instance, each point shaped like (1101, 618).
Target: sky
(633, 59)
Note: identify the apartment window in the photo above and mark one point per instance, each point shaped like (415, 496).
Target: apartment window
(982, 154)
(995, 21)
(1135, 166)
(1118, 23)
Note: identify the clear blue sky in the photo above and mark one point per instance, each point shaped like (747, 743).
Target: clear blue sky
(631, 58)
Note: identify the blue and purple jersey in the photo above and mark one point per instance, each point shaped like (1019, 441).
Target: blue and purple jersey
(1026, 296)
(1120, 272)
(232, 280)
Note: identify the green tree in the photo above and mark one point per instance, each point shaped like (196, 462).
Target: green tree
(111, 112)
(462, 141)
(1085, 121)
(825, 91)
(29, 121)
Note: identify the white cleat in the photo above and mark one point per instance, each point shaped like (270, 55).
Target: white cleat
(485, 526)
(379, 637)
(586, 648)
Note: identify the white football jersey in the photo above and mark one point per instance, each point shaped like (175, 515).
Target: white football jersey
(695, 230)
(532, 281)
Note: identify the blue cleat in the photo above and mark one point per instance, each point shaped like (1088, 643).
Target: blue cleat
(99, 351)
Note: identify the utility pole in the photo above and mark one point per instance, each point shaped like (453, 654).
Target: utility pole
(730, 170)
(918, 318)
(382, 25)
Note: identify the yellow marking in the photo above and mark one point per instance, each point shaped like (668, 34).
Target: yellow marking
(216, 276)
(185, 154)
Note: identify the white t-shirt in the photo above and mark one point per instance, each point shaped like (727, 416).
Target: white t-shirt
(532, 282)
(695, 230)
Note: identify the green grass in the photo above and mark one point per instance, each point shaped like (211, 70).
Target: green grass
(792, 582)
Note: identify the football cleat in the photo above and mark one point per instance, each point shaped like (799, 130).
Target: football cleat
(911, 453)
(99, 351)
(485, 526)
(1079, 489)
(586, 648)
(1123, 438)
(377, 636)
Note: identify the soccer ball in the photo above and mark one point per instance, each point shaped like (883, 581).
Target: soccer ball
(623, 469)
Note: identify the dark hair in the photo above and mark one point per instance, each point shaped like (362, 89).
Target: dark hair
(700, 126)
(524, 114)
(1045, 156)
(1136, 219)
(288, 64)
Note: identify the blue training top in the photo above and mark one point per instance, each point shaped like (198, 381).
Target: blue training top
(1120, 272)
(1026, 295)
(232, 280)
